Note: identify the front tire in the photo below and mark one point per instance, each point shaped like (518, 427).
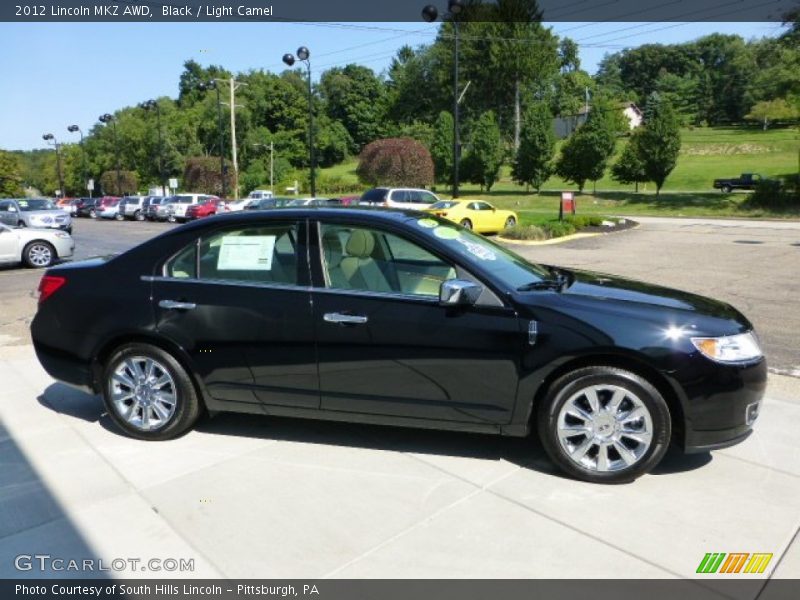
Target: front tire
(138, 216)
(604, 424)
(148, 394)
(38, 255)
(93, 214)
(119, 217)
(726, 189)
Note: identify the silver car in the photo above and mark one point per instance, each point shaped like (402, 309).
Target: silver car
(34, 212)
(36, 248)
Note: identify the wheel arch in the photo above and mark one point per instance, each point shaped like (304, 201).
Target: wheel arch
(104, 351)
(629, 362)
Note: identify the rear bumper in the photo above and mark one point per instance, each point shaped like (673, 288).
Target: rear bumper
(64, 367)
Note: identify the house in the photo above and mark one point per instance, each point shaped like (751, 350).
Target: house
(564, 125)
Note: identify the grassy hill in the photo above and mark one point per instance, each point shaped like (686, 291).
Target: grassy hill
(706, 154)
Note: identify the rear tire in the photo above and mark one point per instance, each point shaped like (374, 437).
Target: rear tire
(726, 189)
(93, 214)
(21, 224)
(604, 424)
(119, 217)
(148, 394)
(38, 255)
(466, 223)
(510, 222)
(138, 216)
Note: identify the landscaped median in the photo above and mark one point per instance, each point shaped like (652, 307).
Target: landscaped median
(543, 230)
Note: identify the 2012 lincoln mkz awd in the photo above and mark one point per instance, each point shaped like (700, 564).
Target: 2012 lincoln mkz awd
(398, 318)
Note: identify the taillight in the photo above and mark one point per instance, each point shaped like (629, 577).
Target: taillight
(49, 285)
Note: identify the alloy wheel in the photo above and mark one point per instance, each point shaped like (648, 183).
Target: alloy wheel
(40, 255)
(143, 392)
(604, 428)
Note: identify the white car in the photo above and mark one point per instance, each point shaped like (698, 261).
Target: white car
(36, 248)
(409, 198)
(181, 202)
(238, 205)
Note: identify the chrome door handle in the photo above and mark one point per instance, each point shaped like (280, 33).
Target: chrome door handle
(344, 319)
(173, 305)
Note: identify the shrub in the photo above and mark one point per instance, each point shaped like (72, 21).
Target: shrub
(201, 174)
(582, 221)
(128, 183)
(559, 228)
(395, 162)
(525, 232)
(774, 194)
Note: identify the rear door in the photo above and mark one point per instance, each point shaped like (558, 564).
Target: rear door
(8, 213)
(237, 301)
(8, 245)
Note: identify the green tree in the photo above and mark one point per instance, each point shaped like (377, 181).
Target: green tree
(128, 183)
(659, 141)
(533, 161)
(442, 148)
(629, 168)
(485, 155)
(773, 110)
(10, 175)
(355, 97)
(586, 152)
(395, 161)
(201, 174)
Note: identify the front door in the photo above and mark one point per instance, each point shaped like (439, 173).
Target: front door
(8, 245)
(237, 301)
(387, 347)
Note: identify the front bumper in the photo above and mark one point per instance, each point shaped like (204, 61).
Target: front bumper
(722, 404)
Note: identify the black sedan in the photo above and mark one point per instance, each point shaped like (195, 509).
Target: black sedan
(398, 318)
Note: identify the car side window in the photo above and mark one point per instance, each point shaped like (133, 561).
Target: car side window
(260, 254)
(482, 206)
(4, 206)
(366, 259)
(427, 198)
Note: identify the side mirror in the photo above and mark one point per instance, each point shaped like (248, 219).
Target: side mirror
(459, 292)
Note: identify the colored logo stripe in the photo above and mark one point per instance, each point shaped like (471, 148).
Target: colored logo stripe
(734, 563)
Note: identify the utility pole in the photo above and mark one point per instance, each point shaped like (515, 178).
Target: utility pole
(271, 167)
(233, 85)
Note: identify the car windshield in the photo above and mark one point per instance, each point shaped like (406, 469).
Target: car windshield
(444, 204)
(36, 204)
(511, 269)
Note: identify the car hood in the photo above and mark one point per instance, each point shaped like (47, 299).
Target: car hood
(588, 284)
(55, 212)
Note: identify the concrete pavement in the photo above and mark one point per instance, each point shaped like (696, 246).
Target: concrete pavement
(247, 496)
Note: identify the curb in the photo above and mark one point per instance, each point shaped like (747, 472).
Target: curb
(566, 238)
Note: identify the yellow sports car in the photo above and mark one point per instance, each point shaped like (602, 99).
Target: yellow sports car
(477, 215)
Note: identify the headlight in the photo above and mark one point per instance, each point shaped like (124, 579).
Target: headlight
(729, 349)
(62, 234)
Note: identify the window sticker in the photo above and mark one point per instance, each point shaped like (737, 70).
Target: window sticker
(427, 223)
(478, 251)
(246, 253)
(446, 233)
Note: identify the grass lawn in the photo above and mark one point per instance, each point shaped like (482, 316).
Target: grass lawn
(706, 154)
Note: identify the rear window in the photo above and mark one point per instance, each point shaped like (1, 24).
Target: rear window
(182, 199)
(374, 195)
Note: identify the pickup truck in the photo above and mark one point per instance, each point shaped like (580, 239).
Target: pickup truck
(746, 181)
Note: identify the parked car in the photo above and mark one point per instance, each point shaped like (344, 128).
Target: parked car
(104, 202)
(86, 207)
(65, 204)
(34, 212)
(132, 207)
(260, 194)
(745, 181)
(181, 202)
(72, 209)
(398, 198)
(295, 202)
(397, 318)
(475, 214)
(349, 200)
(156, 208)
(205, 209)
(238, 205)
(267, 203)
(35, 248)
(111, 210)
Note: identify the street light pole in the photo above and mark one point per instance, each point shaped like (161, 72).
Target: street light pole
(50, 138)
(108, 118)
(304, 55)
(73, 129)
(150, 105)
(429, 14)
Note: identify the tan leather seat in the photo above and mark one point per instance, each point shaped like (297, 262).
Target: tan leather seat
(359, 268)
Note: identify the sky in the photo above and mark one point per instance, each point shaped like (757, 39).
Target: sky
(58, 74)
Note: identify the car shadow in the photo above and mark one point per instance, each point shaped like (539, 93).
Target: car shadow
(526, 453)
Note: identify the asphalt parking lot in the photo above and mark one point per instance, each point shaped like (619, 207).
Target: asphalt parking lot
(246, 496)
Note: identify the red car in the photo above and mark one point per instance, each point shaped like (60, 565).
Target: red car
(105, 202)
(205, 209)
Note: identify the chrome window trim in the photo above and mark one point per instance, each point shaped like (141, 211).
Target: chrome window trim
(291, 287)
